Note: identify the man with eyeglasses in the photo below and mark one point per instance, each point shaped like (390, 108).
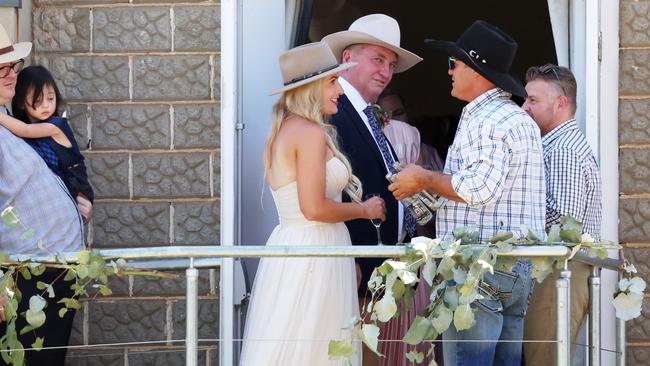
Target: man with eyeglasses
(494, 180)
(30, 190)
(573, 187)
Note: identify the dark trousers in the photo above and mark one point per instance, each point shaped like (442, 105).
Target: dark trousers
(56, 330)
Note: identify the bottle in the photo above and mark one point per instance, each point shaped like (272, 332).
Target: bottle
(432, 201)
(415, 205)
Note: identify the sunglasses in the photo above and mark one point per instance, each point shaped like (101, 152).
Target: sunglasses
(550, 69)
(451, 63)
(16, 66)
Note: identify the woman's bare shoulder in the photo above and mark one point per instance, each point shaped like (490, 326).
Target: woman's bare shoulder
(303, 129)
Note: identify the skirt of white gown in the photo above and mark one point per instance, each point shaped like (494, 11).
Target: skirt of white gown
(299, 304)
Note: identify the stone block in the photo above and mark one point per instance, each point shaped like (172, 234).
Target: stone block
(640, 257)
(638, 329)
(154, 286)
(634, 121)
(40, 3)
(162, 357)
(131, 127)
(634, 220)
(216, 174)
(126, 321)
(638, 356)
(197, 28)
(131, 224)
(61, 30)
(109, 174)
(171, 175)
(118, 284)
(216, 80)
(131, 29)
(634, 167)
(634, 72)
(96, 78)
(171, 77)
(78, 119)
(208, 321)
(196, 223)
(197, 126)
(112, 357)
(634, 23)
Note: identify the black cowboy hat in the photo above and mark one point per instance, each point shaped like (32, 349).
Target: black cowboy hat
(487, 50)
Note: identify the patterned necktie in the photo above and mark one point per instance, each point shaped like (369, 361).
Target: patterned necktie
(388, 158)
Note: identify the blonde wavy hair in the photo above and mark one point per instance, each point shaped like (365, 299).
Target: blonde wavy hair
(304, 101)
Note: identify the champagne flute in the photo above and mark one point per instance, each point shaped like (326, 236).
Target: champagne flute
(375, 222)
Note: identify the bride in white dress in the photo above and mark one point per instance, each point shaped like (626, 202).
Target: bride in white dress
(299, 304)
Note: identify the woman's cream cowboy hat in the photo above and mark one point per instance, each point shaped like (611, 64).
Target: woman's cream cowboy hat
(307, 63)
(12, 52)
(376, 29)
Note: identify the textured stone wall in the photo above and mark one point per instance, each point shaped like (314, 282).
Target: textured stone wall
(634, 163)
(141, 79)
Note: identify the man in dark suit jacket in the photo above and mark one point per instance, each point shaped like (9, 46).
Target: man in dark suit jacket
(372, 41)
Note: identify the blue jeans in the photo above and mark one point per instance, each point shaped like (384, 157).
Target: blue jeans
(496, 319)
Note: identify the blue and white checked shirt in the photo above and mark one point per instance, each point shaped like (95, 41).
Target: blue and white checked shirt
(496, 166)
(573, 185)
(40, 198)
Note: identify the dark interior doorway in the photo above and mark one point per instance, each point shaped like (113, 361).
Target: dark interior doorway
(426, 86)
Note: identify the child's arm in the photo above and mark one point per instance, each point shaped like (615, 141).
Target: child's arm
(29, 130)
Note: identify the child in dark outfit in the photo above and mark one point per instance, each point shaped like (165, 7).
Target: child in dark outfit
(36, 107)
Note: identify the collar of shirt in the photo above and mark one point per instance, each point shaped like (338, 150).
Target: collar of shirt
(484, 99)
(355, 98)
(4, 110)
(565, 126)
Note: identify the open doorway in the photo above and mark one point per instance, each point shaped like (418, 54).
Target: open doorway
(425, 88)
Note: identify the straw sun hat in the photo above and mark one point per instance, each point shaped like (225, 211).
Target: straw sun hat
(307, 63)
(9, 51)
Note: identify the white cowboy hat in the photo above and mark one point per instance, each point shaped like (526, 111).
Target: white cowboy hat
(307, 63)
(376, 29)
(12, 52)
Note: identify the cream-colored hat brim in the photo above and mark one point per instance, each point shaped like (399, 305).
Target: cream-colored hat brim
(339, 68)
(21, 50)
(340, 40)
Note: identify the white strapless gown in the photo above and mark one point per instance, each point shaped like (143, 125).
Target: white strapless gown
(299, 304)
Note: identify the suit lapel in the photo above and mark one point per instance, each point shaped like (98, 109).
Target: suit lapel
(361, 128)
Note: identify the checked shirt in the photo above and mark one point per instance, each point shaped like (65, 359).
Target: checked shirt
(573, 185)
(496, 166)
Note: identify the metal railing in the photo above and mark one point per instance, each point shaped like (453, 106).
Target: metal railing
(193, 257)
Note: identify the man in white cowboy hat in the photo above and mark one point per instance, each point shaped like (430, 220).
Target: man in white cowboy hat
(494, 180)
(41, 201)
(373, 42)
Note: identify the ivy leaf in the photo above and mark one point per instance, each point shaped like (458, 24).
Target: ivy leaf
(429, 271)
(416, 357)
(433, 362)
(554, 234)
(83, 256)
(635, 285)
(45, 286)
(570, 235)
(69, 275)
(398, 289)
(569, 223)
(338, 349)
(37, 303)
(463, 317)
(35, 318)
(70, 303)
(396, 264)
(530, 234)
(501, 235)
(62, 312)
(105, 290)
(468, 292)
(445, 268)
(443, 318)
(542, 267)
(460, 276)
(26, 273)
(407, 277)
(27, 234)
(417, 331)
(386, 307)
(505, 264)
(38, 343)
(37, 269)
(10, 217)
(369, 334)
(451, 297)
(628, 306)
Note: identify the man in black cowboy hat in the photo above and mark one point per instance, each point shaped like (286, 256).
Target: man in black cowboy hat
(494, 180)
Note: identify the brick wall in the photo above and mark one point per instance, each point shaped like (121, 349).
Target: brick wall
(634, 163)
(142, 83)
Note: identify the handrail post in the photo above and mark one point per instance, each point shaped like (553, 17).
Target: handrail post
(563, 285)
(594, 317)
(192, 312)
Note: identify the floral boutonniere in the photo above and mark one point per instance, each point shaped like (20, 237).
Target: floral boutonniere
(382, 116)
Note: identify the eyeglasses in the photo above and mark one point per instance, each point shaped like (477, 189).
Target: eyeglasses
(16, 66)
(451, 63)
(550, 68)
